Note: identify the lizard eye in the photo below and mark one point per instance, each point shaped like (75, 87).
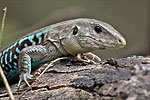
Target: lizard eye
(75, 30)
(98, 29)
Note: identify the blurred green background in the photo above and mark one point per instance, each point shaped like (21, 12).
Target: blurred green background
(130, 17)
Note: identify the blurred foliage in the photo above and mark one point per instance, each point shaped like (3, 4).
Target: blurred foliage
(130, 17)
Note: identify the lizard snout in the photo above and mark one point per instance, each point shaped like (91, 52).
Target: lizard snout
(122, 42)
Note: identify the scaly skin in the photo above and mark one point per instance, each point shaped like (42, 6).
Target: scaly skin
(62, 39)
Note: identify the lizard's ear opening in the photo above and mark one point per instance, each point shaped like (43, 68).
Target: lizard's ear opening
(75, 30)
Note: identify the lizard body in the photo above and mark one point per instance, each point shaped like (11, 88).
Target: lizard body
(62, 39)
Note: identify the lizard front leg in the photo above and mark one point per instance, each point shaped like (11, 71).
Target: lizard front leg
(89, 57)
(92, 57)
(25, 57)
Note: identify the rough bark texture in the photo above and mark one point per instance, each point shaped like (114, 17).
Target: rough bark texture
(112, 79)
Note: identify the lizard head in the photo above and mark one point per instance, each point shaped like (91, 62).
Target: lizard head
(84, 35)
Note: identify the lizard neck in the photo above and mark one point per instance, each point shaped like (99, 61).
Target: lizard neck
(55, 40)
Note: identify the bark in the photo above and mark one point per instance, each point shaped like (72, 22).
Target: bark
(112, 79)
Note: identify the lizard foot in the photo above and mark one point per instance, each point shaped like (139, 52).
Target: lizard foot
(25, 77)
(88, 57)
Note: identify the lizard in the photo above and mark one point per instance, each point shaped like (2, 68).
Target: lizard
(71, 37)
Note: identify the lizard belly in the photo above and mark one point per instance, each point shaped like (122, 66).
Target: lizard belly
(12, 75)
(36, 63)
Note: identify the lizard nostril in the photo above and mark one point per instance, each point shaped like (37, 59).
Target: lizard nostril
(120, 41)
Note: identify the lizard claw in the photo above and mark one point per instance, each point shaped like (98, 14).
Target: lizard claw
(25, 77)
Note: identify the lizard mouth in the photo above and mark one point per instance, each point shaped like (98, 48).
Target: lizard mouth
(97, 44)
(100, 45)
(112, 46)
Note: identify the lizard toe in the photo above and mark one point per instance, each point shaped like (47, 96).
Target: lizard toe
(25, 77)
